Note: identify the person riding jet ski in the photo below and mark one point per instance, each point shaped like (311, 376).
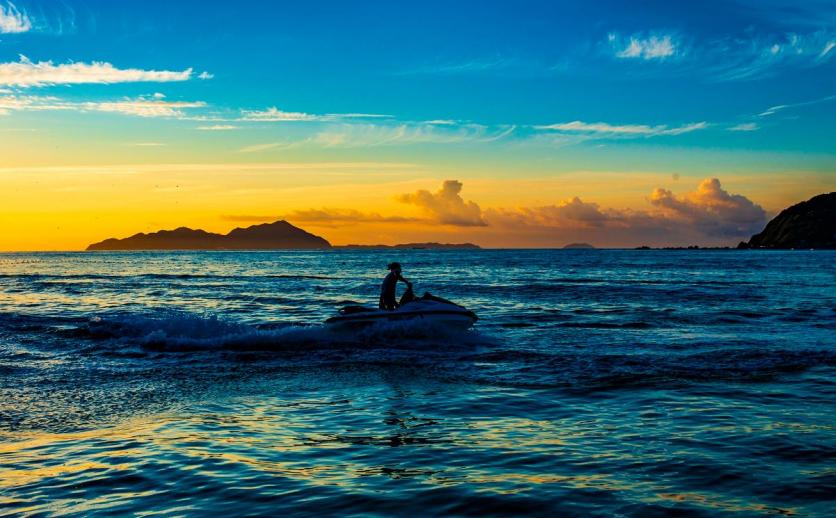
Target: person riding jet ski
(428, 309)
(388, 300)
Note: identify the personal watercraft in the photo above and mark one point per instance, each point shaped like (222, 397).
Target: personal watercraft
(427, 309)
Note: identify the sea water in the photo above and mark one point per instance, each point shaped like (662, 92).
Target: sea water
(609, 382)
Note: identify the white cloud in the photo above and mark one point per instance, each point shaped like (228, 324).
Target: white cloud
(205, 75)
(746, 126)
(142, 107)
(827, 48)
(151, 106)
(628, 130)
(355, 135)
(763, 55)
(217, 127)
(638, 46)
(772, 110)
(274, 114)
(12, 20)
(25, 73)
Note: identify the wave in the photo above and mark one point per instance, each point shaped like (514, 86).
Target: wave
(182, 331)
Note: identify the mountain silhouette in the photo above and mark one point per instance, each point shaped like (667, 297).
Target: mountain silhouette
(268, 236)
(809, 224)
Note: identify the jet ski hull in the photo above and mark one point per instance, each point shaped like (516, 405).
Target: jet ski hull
(440, 315)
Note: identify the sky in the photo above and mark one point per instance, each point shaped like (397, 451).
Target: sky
(505, 124)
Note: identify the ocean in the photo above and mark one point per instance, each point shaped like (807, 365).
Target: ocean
(596, 382)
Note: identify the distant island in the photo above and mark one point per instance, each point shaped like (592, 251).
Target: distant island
(279, 235)
(580, 246)
(809, 224)
(268, 236)
(417, 246)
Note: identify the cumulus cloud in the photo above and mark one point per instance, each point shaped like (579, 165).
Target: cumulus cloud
(12, 20)
(708, 215)
(622, 130)
(639, 46)
(446, 206)
(712, 210)
(26, 73)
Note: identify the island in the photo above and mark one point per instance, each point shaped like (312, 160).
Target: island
(268, 236)
(578, 246)
(809, 224)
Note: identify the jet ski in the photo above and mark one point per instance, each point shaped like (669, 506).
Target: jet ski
(427, 309)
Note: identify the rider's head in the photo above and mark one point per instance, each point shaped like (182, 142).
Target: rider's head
(395, 267)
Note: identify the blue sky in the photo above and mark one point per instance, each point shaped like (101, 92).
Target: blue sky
(492, 63)
(490, 90)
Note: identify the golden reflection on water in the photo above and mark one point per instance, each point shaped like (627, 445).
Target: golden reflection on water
(725, 504)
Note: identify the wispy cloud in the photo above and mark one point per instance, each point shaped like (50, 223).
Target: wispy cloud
(217, 127)
(761, 56)
(12, 20)
(623, 130)
(640, 46)
(746, 126)
(274, 114)
(25, 73)
(772, 110)
(355, 135)
(465, 66)
(255, 148)
(143, 106)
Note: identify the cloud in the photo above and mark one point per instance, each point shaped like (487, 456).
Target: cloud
(144, 106)
(255, 148)
(205, 75)
(274, 114)
(746, 126)
(637, 46)
(326, 217)
(446, 206)
(356, 135)
(712, 210)
(708, 215)
(217, 127)
(13, 20)
(573, 212)
(624, 130)
(781, 107)
(25, 73)
(465, 67)
(761, 56)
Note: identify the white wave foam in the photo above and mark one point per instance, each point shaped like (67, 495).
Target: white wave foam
(182, 331)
